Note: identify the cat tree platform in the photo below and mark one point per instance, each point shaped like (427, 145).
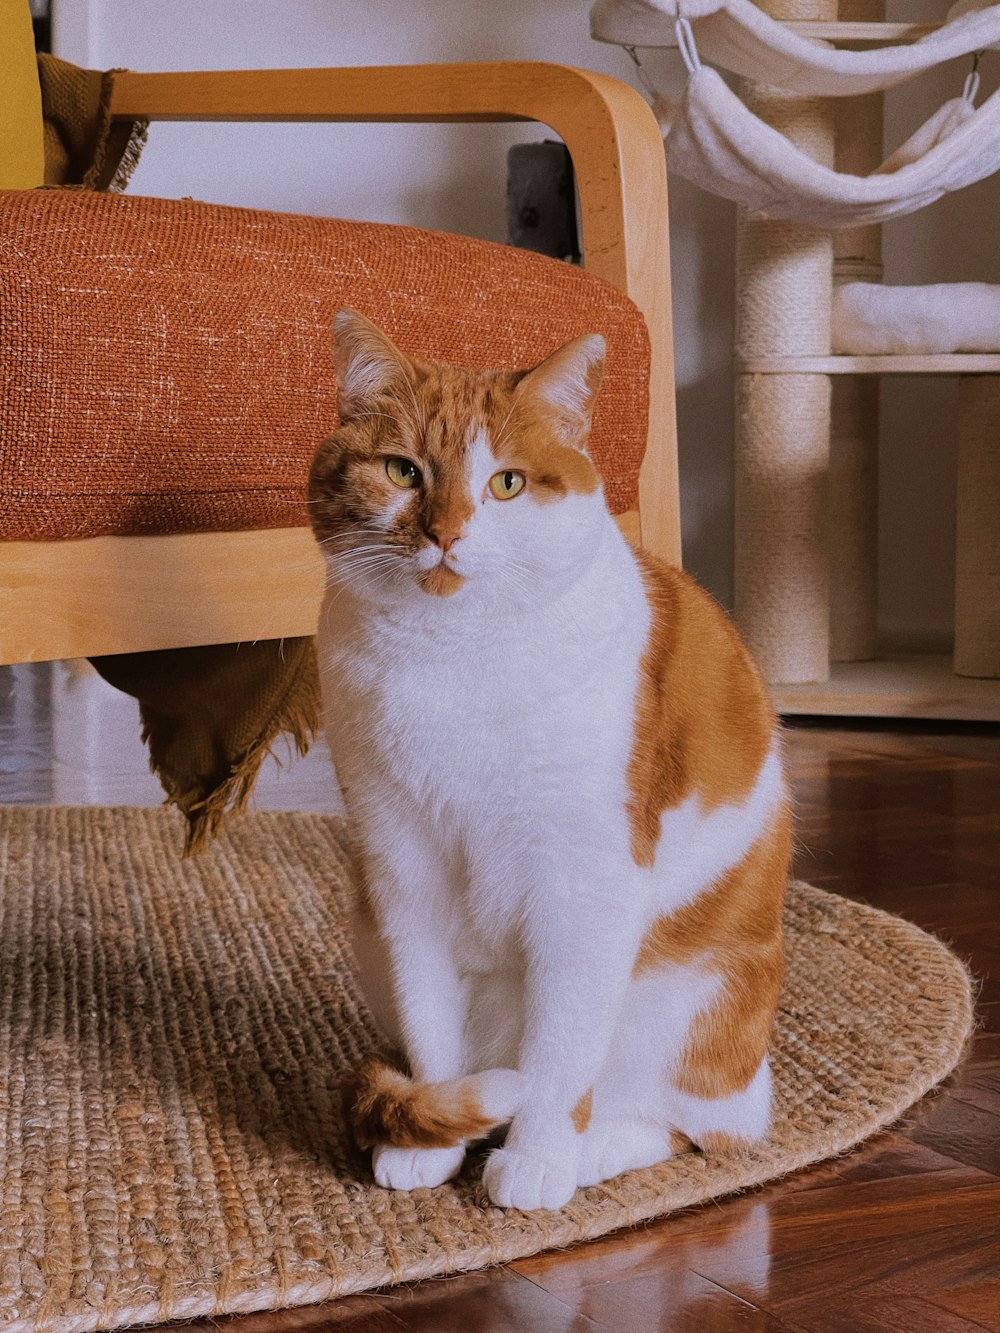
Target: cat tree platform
(951, 363)
(905, 685)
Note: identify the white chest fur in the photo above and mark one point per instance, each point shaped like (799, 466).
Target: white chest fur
(487, 747)
(461, 708)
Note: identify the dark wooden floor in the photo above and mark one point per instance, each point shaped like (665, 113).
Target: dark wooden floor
(904, 1233)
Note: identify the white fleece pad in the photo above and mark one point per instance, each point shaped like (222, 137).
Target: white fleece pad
(872, 320)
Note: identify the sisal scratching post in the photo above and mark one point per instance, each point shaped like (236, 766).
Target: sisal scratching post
(857, 257)
(783, 292)
(977, 554)
(782, 575)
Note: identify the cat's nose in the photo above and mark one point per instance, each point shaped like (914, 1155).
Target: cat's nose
(444, 534)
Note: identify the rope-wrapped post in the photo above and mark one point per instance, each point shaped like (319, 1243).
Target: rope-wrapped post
(977, 553)
(780, 482)
(782, 447)
(857, 257)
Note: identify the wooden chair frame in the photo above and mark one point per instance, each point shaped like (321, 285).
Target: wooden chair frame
(127, 594)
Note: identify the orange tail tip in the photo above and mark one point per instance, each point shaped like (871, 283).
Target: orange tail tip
(388, 1107)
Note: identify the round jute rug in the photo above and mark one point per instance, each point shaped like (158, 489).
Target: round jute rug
(172, 1036)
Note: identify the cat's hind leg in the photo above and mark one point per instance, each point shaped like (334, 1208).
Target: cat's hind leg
(718, 1077)
(632, 1125)
(612, 1145)
(719, 1085)
(728, 1123)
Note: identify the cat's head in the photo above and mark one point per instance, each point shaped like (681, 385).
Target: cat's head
(443, 481)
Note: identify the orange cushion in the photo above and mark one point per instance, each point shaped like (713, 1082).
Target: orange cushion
(166, 364)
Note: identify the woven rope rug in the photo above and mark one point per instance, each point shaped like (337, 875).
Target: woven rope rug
(172, 1035)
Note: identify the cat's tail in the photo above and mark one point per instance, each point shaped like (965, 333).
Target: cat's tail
(386, 1106)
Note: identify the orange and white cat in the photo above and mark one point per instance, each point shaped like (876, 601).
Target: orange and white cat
(564, 781)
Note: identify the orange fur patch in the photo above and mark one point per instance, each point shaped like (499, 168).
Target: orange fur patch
(582, 1112)
(726, 1145)
(703, 721)
(444, 502)
(387, 1107)
(441, 581)
(736, 926)
(552, 468)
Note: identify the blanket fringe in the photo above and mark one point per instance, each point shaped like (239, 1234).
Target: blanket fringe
(296, 717)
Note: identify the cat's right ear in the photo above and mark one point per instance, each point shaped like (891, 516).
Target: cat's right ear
(367, 362)
(565, 385)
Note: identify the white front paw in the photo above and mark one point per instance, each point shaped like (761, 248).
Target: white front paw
(415, 1168)
(514, 1180)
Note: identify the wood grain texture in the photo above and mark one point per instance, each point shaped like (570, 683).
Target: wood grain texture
(132, 594)
(901, 1234)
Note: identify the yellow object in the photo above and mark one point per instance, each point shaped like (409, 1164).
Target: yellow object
(21, 156)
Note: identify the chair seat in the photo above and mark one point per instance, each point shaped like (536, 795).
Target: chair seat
(166, 364)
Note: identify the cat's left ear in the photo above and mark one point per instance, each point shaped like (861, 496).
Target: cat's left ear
(565, 386)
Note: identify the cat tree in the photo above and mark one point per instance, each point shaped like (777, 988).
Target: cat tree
(800, 148)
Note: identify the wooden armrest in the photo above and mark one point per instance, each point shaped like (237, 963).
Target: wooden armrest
(610, 132)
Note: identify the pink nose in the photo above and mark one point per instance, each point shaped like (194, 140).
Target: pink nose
(444, 534)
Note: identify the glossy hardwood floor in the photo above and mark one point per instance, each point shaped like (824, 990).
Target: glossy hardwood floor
(902, 1234)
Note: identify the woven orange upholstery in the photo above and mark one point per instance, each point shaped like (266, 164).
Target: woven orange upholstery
(166, 364)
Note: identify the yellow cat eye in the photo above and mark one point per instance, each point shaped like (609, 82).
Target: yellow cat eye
(505, 485)
(402, 473)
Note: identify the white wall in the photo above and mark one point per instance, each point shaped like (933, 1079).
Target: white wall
(453, 177)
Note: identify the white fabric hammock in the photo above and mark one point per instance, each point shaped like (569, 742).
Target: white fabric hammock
(714, 140)
(738, 36)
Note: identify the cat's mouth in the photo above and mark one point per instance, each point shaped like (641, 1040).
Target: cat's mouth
(441, 580)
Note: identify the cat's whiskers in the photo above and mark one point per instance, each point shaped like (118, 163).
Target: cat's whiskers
(341, 543)
(355, 547)
(358, 416)
(342, 581)
(372, 568)
(365, 541)
(367, 562)
(357, 529)
(520, 573)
